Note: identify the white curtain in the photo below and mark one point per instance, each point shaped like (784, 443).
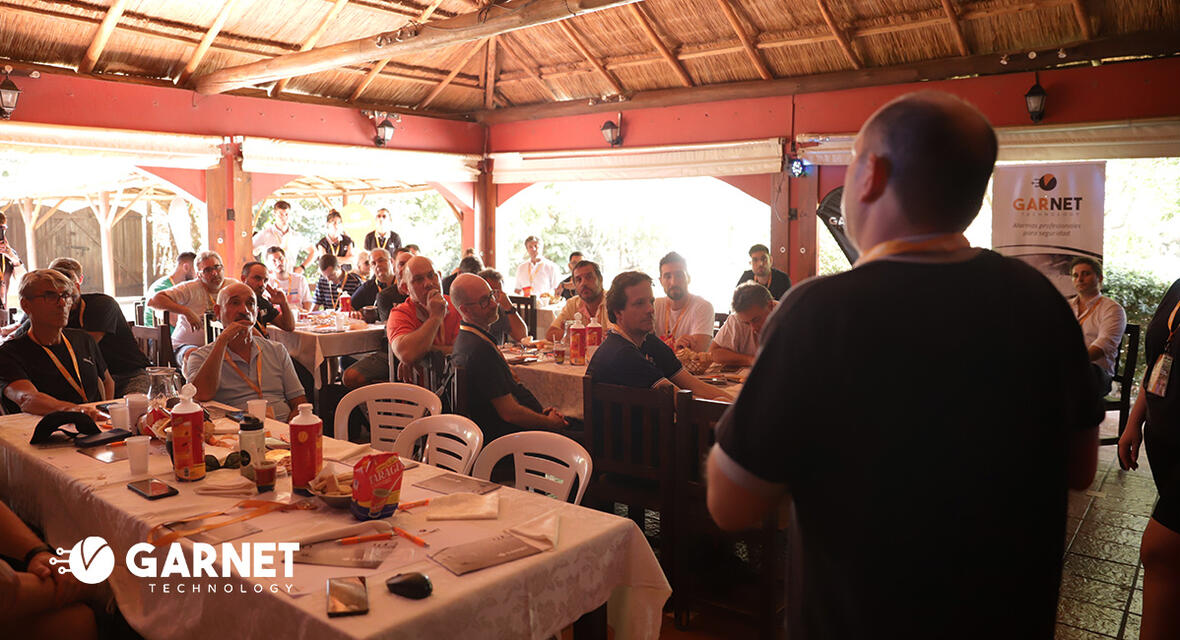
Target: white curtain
(267, 155)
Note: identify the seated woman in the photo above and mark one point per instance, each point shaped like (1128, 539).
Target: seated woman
(52, 368)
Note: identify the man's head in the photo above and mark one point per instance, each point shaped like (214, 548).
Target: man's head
(235, 303)
(1087, 276)
(420, 279)
(384, 221)
(363, 264)
(532, 245)
(494, 278)
(330, 268)
(475, 299)
(413, 249)
(47, 295)
(920, 164)
(382, 264)
(184, 265)
(752, 303)
(674, 276)
(254, 275)
(209, 270)
(70, 268)
(400, 258)
(630, 303)
(276, 259)
(588, 281)
(470, 264)
(575, 258)
(282, 213)
(760, 261)
(335, 223)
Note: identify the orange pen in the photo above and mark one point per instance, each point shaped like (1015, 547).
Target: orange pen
(411, 505)
(118, 443)
(409, 536)
(360, 539)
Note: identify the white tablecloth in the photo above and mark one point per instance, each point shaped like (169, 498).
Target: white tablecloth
(598, 557)
(310, 349)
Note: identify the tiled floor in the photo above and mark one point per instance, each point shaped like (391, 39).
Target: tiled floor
(1101, 586)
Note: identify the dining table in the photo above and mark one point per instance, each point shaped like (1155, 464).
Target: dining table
(594, 560)
(316, 344)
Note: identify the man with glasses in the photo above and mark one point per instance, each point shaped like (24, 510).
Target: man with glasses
(52, 368)
(764, 274)
(391, 296)
(190, 301)
(383, 237)
(496, 400)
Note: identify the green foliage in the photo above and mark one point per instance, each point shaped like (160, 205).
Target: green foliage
(1140, 293)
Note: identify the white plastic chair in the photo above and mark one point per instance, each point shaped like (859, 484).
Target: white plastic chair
(452, 441)
(545, 462)
(391, 406)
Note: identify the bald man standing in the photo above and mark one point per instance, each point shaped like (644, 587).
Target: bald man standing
(920, 518)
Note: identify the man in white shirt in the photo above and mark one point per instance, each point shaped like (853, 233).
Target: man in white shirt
(737, 341)
(190, 301)
(293, 285)
(276, 234)
(682, 320)
(538, 274)
(1103, 320)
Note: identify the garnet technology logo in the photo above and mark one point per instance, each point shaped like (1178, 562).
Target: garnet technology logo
(1047, 182)
(91, 560)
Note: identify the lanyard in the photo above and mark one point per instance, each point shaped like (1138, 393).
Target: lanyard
(256, 387)
(158, 537)
(1172, 325)
(942, 243)
(76, 384)
(335, 245)
(377, 241)
(479, 334)
(533, 271)
(671, 332)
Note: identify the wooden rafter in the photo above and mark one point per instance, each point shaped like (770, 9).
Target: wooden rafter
(594, 62)
(953, 19)
(1083, 17)
(99, 42)
(650, 30)
(198, 54)
(314, 38)
(747, 43)
(489, 81)
(380, 64)
(474, 49)
(509, 49)
(841, 39)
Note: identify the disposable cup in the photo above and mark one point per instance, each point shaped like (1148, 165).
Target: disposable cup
(137, 405)
(120, 418)
(257, 408)
(137, 454)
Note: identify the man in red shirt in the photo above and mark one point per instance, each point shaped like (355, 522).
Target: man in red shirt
(426, 321)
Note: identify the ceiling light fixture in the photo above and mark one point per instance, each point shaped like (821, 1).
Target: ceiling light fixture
(1034, 100)
(9, 94)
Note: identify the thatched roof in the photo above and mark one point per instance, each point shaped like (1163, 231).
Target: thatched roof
(625, 50)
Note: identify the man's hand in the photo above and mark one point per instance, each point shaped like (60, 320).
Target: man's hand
(93, 412)
(276, 297)
(194, 320)
(436, 305)
(502, 300)
(683, 342)
(1129, 446)
(234, 330)
(556, 420)
(40, 567)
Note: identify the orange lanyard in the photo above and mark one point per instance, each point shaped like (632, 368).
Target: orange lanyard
(479, 334)
(76, 384)
(1172, 324)
(335, 246)
(377, 241)
(942, 243)
(1093, 306)
(533, 271)
(671, 332)
(157, 537)
(256, 387)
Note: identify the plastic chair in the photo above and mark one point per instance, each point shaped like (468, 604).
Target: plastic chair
(545, 462)
(452, 442)
(391, 406)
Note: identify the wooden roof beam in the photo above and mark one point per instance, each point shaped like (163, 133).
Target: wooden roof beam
(594, 62)
(953, 19)
(845, 45)
(509, 49)
(650, 30)
(450, 76)
(490, 68)
(314, 38)
(198, 54)
(1083, 17)
(102, 36)
(380, 64)
(747, 43)
(497, 19)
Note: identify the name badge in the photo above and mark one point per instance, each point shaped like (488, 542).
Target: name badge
(1157, 383)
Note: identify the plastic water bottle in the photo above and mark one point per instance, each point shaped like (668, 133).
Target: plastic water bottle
(307, 449)
(578, 341)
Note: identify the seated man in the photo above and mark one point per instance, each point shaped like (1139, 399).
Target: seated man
(1103, 320)
(190, 301)
(764, 274)
(363, 265)
(509, 325)
(469, 264)
(52, 368)
(565, 288)
(683, 320)
(293, 285)
(366, 294)
(496, 400)
(184, 271)
(390, 297)
(737, 341)
(240, 365)
(631, 355)
(333, 281)
(273, 307)
(425, 322)
(588, 302)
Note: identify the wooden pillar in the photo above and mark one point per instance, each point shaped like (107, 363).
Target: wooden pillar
(485, 207)
(230, 214)
(803, 253)
(780, 216)
(28, 213)
(106, 216)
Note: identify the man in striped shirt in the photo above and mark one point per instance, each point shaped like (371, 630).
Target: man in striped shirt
(333, 281)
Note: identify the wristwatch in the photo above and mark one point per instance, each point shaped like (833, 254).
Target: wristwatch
(36, 550)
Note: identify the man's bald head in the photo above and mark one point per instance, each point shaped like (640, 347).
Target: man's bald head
(940, 152)
(236, 302)
(473, 297)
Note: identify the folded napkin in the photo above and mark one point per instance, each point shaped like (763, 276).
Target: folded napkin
(341, 450)
(239, 486)
(540, 532)
(464, 506)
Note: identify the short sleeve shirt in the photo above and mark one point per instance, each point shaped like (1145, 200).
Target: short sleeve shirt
(192, 294)
(23, 359)
(366, 294)
(100, 312)
(486, 377)
(573, 307)
(618, 361)
(542, 276)
(696, 318)
(327, 293)
(392, 241)
(279, 382)
(339, 248)
(737, 336)
(779, 282)
(294, 286)
(387, 299)
(408, 316)
(149, 316)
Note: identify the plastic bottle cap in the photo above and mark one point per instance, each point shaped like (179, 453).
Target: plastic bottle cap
(250, 423)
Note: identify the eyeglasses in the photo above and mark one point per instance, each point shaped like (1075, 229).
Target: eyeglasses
(214, 269)
(53, 297)
(484, 301)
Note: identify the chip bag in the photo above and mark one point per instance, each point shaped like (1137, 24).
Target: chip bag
(376, 486)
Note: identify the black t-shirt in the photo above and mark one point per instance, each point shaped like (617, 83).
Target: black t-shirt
(487, 376)
(919, 417)
(341, 247)
(392, 241)
(446, 283)
(366, 294)
(779, 282)
(267, 312)
(118, 346)
(618, 361)
(1163, 414)
(387, 299)
(23, 359)
(566, 294)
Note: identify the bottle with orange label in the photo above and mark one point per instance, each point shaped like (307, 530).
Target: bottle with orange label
(307, 449)
(578, 341)
(593, 334)
(188, 437)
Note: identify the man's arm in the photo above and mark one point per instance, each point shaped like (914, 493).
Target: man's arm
(685, 380)
(286, 320)
(207, 378)
(1110, 332)
(557, 329)
(163, 302)
(1083, 458)
(696, 341)
(294, 403)
(516, 329)
(108, 386)
(411, 347)
(26, 396)
(733, 506)
(729, 357)
(515, 413)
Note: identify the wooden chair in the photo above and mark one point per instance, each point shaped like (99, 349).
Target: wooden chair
(391, 406)
(1124, 374)
(527, 308)
(155, 343)
(452, 442)
(545, 462)
(141, 312)
(759, 599)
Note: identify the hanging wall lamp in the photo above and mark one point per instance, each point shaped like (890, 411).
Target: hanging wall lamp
(384, 125)
(613, 133)
(9, 94)
(1034, 100)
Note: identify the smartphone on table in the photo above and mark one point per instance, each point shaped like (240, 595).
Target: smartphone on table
(347, 596)
(152, 489)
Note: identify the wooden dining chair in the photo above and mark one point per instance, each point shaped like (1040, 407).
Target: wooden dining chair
(526, 306)
(719, 321)
(1126, 359)
(155, 343)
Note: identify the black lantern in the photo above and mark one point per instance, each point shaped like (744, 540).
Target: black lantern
(9, 94)
(384, 133)
(1034, 100)
(613, 133)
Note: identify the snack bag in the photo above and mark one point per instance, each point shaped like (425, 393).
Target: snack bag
(376, 486)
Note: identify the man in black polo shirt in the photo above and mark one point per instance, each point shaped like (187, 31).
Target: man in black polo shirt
(366, 294)
(390, 297)
(273, 307)
(925, 412)
(631, 355)
(496, 400)
(764, 274)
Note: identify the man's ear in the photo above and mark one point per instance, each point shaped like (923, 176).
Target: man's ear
(875, 178)
(216, 311)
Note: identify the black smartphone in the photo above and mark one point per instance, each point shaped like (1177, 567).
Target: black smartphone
(152, 489)
(347, 596)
